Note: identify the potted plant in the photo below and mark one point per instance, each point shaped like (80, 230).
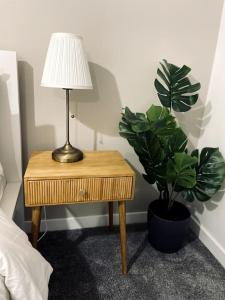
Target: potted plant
(161, 146)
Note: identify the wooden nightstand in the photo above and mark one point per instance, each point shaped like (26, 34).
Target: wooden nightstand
(102, 176)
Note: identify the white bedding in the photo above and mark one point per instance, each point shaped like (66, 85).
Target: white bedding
(10, 198)
(4, 293)
(25, 272)
(2, 181)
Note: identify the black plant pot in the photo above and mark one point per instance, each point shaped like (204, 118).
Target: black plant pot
(166, 232)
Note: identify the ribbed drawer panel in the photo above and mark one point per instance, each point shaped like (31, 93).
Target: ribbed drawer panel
(52, 192)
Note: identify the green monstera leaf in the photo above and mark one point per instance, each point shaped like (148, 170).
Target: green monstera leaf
(160, 120)
(180, 170)
(174, 88)
(146, 144)
(210, 169)
(135, 122)
(176, 142)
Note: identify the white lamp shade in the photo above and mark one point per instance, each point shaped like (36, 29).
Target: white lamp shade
(66, 65)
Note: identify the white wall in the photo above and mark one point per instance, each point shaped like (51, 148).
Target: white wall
(125, 39)
(211, 215)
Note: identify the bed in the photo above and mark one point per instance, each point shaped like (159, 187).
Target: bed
(24, 273)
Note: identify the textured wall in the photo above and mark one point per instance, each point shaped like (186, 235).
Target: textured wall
(124, 41)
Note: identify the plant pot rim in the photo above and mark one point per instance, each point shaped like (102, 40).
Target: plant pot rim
(169, 220)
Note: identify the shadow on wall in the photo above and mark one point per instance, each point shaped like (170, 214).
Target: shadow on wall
(40, 137)
(99, 108)
(31, 134)
(194, 121)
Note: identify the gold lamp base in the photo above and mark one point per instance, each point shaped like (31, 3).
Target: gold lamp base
(67, 154)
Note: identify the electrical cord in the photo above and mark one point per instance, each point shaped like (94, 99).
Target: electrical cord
(46, 225)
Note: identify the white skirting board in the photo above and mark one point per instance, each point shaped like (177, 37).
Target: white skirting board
(209, 241)
(87, 221)
(131, 218)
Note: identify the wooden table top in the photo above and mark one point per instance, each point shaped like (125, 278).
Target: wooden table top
(95, 164)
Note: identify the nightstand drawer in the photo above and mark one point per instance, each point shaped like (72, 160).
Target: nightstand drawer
(68, 191)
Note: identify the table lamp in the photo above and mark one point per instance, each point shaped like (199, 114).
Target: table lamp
(66, 67)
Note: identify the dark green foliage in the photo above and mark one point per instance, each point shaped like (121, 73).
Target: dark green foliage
(174, 88)
(160, 120)
(161, 145)
(176, 142)
(180, 170)
(145, 142)
(210, 169)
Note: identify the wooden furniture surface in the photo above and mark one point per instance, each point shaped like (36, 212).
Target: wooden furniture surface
(95, 163)
(102, 176)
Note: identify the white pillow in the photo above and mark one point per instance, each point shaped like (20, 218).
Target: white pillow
(2, 181)
(26, 272)
(4, 293)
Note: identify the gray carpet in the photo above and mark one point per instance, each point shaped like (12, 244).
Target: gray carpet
(87, 266)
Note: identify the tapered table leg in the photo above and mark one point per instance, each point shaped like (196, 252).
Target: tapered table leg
(36, 217)
(123, 239)
(110, 206)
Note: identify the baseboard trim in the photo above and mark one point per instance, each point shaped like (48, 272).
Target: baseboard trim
(209, 241)
(131, 218)
(87, 221)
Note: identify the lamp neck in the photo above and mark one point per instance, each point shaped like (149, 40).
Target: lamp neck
(67, 116)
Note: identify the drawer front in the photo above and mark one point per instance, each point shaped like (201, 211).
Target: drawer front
(52, 192)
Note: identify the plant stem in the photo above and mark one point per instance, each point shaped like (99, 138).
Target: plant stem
(170, 197)
(175, 196)
(171, 200)
(170, 100)
(166, 197)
